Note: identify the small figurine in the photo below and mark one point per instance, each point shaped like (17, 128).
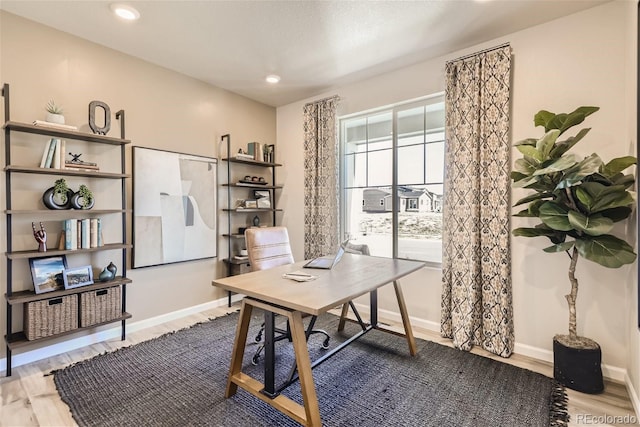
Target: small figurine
(40, 236)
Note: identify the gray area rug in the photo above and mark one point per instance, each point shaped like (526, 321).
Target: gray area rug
(179, 379)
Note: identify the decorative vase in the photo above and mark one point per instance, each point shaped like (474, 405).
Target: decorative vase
(256, 221)
(105, 275)
(55, 118)
(77, 202)
(54, 201)
(112, 268)
(578, 368)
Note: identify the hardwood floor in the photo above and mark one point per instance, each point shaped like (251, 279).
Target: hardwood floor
(29, 396)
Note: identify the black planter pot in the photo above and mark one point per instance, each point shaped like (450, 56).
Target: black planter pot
(77, 202)
(51, 201)
(578, 368)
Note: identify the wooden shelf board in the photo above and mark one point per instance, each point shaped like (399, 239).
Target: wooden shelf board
(53, 252)
(21, 297)
(250, 162)
(253, 210)
(66, 172)
(243, 185)
(18, 339)
(234, 236)
(69, 213)
(62, 133)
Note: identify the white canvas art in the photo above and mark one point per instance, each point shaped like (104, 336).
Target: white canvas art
(174, 207)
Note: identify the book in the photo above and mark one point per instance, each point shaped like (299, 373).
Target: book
(99, 232)
(45, 152)
(78, 234)
(87, 166)
(86, 233)
(54, 125)
(93, 232)
(63, 147)
(52, 148)
(55, 163)
(71, 231)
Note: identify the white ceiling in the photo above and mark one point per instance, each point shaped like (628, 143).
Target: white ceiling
(312, 45)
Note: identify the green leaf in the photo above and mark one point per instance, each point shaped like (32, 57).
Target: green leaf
(584, 197)
(517, 176)
(530, 151)
(525, 214)
(576, 174)
(560, 247)
(525, 166)
(532, 232)
(525, 182)
(546, 143)
(555, 216)
(606, 250)
(617, 165)
(562, 147)
(563, 163)
(542, 118)
(527, 141)
(617, 214)
(625, 180)
(606, 197)
(594, 225)
(532, 197)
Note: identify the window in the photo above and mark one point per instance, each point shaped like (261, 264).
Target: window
(392, 174)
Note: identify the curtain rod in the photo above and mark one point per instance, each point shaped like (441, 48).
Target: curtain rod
(479, 52)
(323, 99)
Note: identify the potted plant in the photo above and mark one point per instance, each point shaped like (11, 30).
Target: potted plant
(83, 198)
(578, 202)
(59, 196)
(54, 113)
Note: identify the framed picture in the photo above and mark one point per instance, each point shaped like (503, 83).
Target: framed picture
(46, 273)
(174, 207)
(261, 194)
(250, 204)
(78, 276)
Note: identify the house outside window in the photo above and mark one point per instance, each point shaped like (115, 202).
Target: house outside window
(392, 173)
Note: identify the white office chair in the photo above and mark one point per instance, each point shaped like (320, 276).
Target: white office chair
(269, 247)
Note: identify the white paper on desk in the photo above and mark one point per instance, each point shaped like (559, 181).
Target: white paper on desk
(299, 276)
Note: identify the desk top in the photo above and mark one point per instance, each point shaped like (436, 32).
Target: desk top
(353, 276)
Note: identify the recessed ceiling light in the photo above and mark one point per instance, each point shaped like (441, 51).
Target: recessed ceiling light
(272, 78)
(125, 11)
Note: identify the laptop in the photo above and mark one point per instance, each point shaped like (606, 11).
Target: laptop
(326, 262)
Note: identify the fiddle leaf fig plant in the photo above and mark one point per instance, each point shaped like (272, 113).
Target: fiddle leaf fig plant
(577, 201)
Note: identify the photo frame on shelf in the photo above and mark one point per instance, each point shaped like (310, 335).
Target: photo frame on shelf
(174, 207)
(77, 276)
(46, 273)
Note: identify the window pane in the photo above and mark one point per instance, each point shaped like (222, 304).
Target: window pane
(354, 134)
(411, 126)
(355, 170)
(367, 221)
(380, 168)
(420, 224)
(411, 165)
(434, 159)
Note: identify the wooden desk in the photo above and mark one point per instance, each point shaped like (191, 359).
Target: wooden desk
(355, 275)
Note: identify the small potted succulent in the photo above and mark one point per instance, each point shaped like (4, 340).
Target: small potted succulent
(54, 113)
(83, 198)
(59, 196)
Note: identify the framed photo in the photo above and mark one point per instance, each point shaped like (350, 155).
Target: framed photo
(46, 273)
(174, 207)
(78, 276)
(250, 204)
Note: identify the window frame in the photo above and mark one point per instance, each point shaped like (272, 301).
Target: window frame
(394, 109)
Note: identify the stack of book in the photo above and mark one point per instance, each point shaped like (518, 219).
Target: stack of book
(53, 154)
(54, 125)
(81, 234)
(81, 166)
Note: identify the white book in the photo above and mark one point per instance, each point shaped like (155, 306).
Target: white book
(73, 227)
(86, 234)
(93, 241)
(63, 146)
(54, 125)
(52, 148)
(45, 152)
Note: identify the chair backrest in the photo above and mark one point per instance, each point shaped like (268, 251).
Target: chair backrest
(268, 247)
(350, 248)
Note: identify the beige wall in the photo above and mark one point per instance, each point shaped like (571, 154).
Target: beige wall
(573, 61)
(164, 110)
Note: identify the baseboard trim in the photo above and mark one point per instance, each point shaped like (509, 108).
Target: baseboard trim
(608, 371)
(611, 372)
(73, 344)
(633, 394)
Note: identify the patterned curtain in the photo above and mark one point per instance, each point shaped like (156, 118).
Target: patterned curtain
(321, 186)
(476, 266)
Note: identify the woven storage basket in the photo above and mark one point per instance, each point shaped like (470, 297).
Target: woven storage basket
(50, 316)
(100, 306)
